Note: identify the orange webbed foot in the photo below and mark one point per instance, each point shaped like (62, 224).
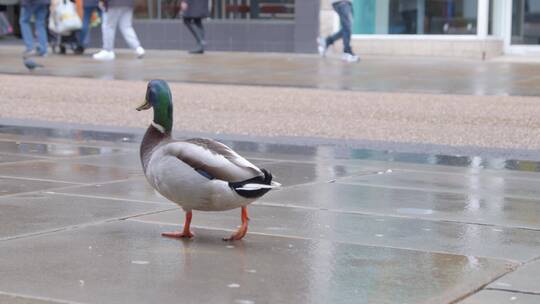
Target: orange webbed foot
(242, 231)
(186, 233)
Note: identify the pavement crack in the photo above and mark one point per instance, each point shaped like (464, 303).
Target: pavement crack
(514, 291)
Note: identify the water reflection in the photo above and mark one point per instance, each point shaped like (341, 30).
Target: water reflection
(308, 151)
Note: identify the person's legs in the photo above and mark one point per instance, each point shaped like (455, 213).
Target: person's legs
(200, 29)
(189, 24)
(108, 28)
(41, 14)
(194, 25)
(87, 14)
(345, 19)
(26, 28)
(126, 27)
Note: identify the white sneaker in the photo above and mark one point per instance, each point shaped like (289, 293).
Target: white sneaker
(139, 52)
(322, 46)
(104, 55)
(350, 57)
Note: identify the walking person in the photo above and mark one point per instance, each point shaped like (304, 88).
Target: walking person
(39, 9)
(344, 9)
(118, 13)
(194, 11)
(89, 8)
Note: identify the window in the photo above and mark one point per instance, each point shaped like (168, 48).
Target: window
(526, 22)
(220, 9)
(434, 17)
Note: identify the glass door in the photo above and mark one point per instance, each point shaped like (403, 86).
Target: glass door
(525, 22)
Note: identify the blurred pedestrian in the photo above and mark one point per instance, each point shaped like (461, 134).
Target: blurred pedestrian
(194, 11)
(344, 9)
(39, 9)
(90, 10)
(117, 13)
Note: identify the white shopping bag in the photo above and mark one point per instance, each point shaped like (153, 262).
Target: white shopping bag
(64, 18)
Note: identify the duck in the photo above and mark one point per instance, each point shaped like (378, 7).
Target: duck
(198, 173)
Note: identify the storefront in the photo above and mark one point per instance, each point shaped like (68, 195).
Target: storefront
(461, 28)
(234, 25)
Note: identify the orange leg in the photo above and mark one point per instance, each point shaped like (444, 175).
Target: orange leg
(184, 234)
(243, 228)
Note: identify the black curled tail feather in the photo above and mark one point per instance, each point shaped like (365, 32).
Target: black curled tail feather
(264, 180)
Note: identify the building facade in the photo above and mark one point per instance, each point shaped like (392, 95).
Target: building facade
(459, 28)
(234, 25)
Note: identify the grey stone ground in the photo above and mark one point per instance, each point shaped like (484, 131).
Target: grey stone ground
(79, 224)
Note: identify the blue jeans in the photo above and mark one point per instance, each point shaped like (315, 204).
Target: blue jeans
(84, 39)
(40, 13)
(345, 10)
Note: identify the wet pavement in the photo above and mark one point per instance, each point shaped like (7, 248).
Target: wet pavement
(79, 224)
(377, 74)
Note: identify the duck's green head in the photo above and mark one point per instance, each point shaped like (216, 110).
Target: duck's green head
(158, 96)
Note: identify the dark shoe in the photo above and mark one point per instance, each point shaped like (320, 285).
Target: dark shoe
(199, 50)
(79, 50)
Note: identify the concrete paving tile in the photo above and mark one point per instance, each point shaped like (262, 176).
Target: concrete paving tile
(128, 262)
(52, 149)
(16, 299)
(64, 172)
(8, 158)
(456, 238)
(500, 211)
(136, 189)
(31, 213)
(496, 168)
(13, 185)
(477, 184)
(129, 160)
(501, 297)
(524, 279)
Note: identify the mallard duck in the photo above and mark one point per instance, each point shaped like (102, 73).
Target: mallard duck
(198, 173)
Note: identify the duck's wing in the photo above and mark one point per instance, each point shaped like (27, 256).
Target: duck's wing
(213, 159)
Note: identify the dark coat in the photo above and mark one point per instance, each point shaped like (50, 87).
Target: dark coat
(197, 9)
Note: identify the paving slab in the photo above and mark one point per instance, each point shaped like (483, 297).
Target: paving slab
(525, 279)
(381, 200)
(407, 233)
(128, 262)
(9, 158)
(479, 184)
(38, 212)
(501, 297)
(16, 299)
(136, 189)
(52, 149)
(65, 172)
(14, 185)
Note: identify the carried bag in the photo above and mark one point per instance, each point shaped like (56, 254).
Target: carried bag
(5, 27)
(64, 18)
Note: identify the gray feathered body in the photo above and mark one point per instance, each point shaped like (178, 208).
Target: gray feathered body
(196, 173)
